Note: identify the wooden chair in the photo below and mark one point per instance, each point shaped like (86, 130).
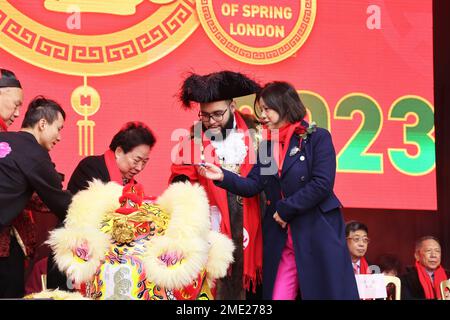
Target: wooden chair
(394, 282)
(445, 285)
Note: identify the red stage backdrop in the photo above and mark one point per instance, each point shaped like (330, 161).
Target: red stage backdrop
(363, 68)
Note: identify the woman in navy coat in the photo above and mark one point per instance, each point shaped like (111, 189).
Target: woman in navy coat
(303, 229)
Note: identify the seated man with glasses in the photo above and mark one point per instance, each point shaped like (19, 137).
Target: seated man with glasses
(228, 138)
(423, 279)
(357, 242)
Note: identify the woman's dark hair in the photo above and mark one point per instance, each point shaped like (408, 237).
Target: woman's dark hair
(282, 97)
(353, 226)
(132, 135)
(42, 108)
(389, 262)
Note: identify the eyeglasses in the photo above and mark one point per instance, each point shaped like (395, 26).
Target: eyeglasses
(135, 160)
(217, 116)
(141, 162)
(365, 240)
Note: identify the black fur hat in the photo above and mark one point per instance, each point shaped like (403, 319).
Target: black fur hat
(217, 86)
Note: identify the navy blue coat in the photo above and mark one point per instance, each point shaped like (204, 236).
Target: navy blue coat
(310, 208)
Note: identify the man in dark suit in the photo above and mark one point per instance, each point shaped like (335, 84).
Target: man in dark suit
(26, 167)
(422, 281)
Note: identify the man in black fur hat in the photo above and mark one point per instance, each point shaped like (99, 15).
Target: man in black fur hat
(228, 138)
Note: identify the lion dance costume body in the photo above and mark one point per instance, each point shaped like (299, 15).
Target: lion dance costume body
(116, 244)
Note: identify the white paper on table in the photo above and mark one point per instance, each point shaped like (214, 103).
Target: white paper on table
(371, 286)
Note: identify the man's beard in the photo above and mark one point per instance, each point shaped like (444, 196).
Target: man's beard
(224, 131)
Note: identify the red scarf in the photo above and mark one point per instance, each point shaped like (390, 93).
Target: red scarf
(283, 137)
(432, 290)
(218, 196)
(113, 170)
(3, 126)
(363, 266)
